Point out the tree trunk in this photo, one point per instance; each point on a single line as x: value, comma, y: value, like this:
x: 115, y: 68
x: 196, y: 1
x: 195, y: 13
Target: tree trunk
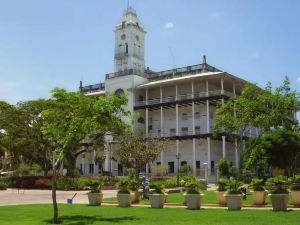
x: 71, y: 165
x: 55, y: 208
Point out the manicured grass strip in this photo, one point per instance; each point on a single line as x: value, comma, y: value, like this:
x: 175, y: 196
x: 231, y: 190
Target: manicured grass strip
x: 104, y: 215
x: 209, y: 198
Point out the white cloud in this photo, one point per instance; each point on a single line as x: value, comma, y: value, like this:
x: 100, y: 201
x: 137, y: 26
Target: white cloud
x: 298, y: 80
x: 169, y: 25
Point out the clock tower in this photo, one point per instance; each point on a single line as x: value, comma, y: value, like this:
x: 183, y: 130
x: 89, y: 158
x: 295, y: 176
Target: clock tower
x: 129, y: 44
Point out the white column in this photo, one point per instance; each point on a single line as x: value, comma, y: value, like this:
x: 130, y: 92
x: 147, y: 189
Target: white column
x: 94, y: 162
x: 176, y: 97
x: 222, y: 86
x: 147, y: 114
x: 177, y: 152
x: 161, y: 116
x: 234, y: 93
x: 208, y: 155
x: 194, y: 157
x: 193, y: 110
x: 207, y: 91
x: 207, y: 109
x: 223, y: 147
x: 236, y: 154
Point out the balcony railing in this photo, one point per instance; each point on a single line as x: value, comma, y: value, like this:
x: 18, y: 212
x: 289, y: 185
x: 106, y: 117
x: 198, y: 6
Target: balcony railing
x: 173, y: 134
x: 186, y: 96
x: 123, y: 73
x: 93, y: 88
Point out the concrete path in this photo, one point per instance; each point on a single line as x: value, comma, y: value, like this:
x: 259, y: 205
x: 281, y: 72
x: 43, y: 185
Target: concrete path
x: 15, y: 197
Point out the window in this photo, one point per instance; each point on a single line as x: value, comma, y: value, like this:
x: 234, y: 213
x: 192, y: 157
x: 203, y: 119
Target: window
x: 150, y: 128
x: 123, y: 36
x: 150, y: 120
x: 141, y: 98
x: 171, y: 167
x: 172, y: 132
x: 197, y: 130
x: 184, y: 131
x: 123, y: 24
x: 197, y: 115
x: 126, y: 45
x: 184, y: 116
x: 198, y: 165
x: 158, y: 163
x: 159, y: 131
x: 120, y: 169
x: 91, y: 168
x: 211, y: 115
x: 182, y: 163
x: 212, y: 166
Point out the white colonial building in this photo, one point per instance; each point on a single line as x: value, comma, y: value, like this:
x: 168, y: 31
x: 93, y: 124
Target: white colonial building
x: 178, y: 104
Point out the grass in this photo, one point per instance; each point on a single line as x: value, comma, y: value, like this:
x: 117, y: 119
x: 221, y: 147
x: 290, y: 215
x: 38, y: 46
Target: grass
x: 208, y: 198
x: 88, y: 215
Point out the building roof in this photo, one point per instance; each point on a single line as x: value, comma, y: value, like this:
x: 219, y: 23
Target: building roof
x: 186, y: 77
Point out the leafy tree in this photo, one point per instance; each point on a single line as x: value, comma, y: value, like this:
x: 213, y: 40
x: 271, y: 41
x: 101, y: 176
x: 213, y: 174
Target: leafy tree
x: 134, y: 152
x: 260, y: 108
x: 75, y: 119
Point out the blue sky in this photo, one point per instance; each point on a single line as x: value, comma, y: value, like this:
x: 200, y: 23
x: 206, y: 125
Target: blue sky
x: 57, y: 43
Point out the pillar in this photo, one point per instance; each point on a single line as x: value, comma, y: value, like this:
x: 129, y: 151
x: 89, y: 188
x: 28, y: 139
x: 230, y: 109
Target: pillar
x: 223, y: 147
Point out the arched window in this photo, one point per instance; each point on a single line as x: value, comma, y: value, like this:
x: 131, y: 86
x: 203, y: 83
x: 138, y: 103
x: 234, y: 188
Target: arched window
x: 119, y: 91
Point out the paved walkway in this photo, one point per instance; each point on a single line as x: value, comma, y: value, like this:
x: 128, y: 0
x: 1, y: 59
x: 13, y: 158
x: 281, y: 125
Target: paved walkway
x: 15, y: 197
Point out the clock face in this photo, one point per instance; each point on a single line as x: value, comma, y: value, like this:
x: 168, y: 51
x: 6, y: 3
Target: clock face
x: 123, y: 37
x: 137, y: 37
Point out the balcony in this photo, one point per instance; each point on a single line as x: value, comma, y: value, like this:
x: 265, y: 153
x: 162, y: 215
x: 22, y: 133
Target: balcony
x: 93, y: 88
x: 123, y: 73
x: 181, y: 134
x: 184, y: 97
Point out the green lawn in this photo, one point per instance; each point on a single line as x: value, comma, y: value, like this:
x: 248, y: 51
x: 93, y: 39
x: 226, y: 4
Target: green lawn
x: 208, y: 198
x: 89, y: 215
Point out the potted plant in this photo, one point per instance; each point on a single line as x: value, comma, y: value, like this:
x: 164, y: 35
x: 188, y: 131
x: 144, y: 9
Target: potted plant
x: 221, y: 190
x: 134, y: 187
x: 278, y: 192
x: 123, y: 196
x: 295, y: 189
x: 95, y: 196
x: 157, y: 196
x: 193, y: 196
x: 259, y: 193
x: 233, y: 196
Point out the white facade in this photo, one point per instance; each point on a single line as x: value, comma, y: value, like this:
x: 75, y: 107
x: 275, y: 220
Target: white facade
x: 177, y: 104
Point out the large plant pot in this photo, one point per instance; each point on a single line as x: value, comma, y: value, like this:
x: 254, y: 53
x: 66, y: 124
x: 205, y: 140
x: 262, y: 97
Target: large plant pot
x: 193, y: 201
x: 135, y: 196
x: 296, y: 197
x: 234, y: 202
x: 259, y: 197
x: 95, y: 198
x: 221, y: 198
x: 279, y: 201
x: 157, y: 200
x: 124, y: 200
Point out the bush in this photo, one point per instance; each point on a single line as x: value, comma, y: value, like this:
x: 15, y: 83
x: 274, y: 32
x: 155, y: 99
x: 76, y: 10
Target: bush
x: 278, y: 185
x: 166, y: 182
x: 257, y: 184
x: 123, y: 186
x: 94, y: 186
x: 156, y: 189
x: 159, y: 170
x: 186, y: 170
x: 29, y: 182
x: 223, y: 167
x: 234, y: 187
x: 3, y: 185
x: 223, y: 184
x: 295, y: 183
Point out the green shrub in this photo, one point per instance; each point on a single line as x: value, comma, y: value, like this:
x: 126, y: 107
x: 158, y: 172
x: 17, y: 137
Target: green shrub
x: 134, y: 185
x: 156, y: 189
x: 278, y: 185
x: 223, y: 167
x: 94, y: 186
x: 159, y: 170
x: 166, y: 182
x: 257, y: 184
x: 234, y: 187
x: 192, y: 186
x: 123, y: 186
x: 295, y: 182
x: 222, y: 184
x: 3, y: 185
x: 185, y: 170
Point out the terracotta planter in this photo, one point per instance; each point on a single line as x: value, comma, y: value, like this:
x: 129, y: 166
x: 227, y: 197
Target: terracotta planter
x: 234, y: 202
x: 193, y: 201
x: 135, y: 196
x: 279, y: 201
x: 296, y: 197
x: 259, y: 197
x: 221, y: 197
x: 157, y: 200
x: 124, y: 200
x: 95, y: 198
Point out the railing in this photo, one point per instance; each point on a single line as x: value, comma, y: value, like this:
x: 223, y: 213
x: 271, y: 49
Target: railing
x: 123, y: 73
x: 153, y: 134
x: 93, y: 88
x: 186, y: 96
